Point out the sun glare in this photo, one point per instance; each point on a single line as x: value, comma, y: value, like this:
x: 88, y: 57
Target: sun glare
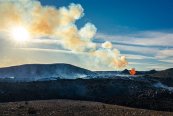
x: 20, y: 34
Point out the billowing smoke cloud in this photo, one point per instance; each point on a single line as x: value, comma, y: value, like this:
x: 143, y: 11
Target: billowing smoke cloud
x: 110, y: 57
x: 87, y: 32
x: 107, y: 44
x: 55, y: 22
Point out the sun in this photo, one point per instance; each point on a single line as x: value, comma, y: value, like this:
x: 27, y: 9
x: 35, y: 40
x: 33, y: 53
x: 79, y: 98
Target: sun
x: 20, y: 34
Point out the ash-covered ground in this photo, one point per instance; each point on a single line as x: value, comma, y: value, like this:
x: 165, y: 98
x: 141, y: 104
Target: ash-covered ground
x: 72, y: 108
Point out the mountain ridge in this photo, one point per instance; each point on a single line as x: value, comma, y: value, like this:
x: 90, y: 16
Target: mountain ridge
x: 33, y: 72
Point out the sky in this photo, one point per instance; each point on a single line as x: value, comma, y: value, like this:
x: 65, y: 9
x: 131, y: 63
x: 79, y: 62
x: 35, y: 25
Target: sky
x: 93, y: 34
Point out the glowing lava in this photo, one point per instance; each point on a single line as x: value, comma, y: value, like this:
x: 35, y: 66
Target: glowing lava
x: 132, y: 71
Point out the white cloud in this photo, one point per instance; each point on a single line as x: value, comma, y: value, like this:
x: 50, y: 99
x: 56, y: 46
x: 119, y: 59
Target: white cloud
x: 148, y: 38
x: 165, y: 54
x: 44, y: 30
x: 137, y: 49
x: 87, y: 32
x: 167, y: 61
x: 139, y: 57
x: 107, y: 44
x: 159, y: 67
x: 66, y: 35
x: 150, y: 50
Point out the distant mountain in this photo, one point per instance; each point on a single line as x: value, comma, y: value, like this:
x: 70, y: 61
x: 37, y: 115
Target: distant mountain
x: 168, y: 73
x: 152, y: 71
x: 45, y: 72
x: 34, y: 72
x: 125, y: 71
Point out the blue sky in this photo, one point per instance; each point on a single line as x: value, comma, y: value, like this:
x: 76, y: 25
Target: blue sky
x: 114, y: 16
x: 142, y: 30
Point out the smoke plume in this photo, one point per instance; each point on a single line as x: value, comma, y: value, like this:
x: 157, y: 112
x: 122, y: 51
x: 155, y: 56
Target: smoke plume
x: 55, y: 22
x: 107, y: 44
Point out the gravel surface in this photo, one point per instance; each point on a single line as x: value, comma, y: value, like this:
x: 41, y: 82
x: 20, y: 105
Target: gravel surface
x: 72, y: 108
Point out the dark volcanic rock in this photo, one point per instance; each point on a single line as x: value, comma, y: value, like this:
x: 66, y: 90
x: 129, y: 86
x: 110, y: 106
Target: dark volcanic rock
x: 164, y: 74
x: 125, y: 71
x: 134, y: 93
x: 152, y: 72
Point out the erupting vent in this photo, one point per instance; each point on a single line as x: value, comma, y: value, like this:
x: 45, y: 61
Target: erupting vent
x: 132, y: 71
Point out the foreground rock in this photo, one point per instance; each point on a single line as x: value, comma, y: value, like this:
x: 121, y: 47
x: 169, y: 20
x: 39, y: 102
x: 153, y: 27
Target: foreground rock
x: 131, y: 92
x: 72, y: 108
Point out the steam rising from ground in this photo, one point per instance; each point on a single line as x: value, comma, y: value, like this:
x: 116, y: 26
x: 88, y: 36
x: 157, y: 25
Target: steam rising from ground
x: 59, y: 23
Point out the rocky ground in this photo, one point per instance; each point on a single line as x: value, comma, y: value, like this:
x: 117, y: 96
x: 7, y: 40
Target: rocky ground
x: 72, y: 108
x: 130, y: 92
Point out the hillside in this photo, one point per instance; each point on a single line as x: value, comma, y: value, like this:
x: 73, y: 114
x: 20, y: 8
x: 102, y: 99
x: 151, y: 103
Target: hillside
x: 168, y: 73
x: 33, y: 72
x: 72, y: 108
x: 45, y: 72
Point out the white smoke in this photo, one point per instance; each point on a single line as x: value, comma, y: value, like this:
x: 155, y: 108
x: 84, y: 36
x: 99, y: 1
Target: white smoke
x: 60, y: 23
x: 87, y: 32
x: 160, y: 85
x: 107, y: 44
